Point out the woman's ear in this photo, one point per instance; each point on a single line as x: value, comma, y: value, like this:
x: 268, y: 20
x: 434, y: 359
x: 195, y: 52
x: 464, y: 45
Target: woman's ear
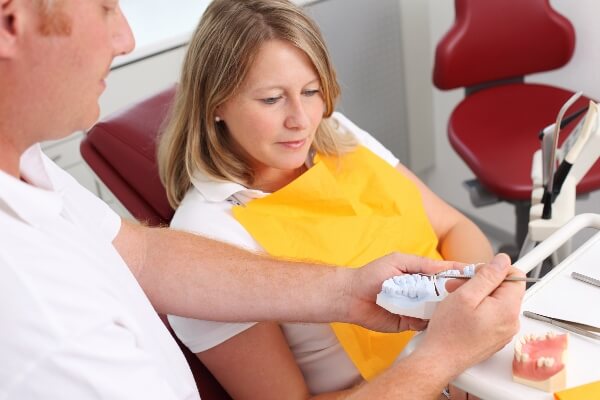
x: 8, y: 28
x: 219, y: 113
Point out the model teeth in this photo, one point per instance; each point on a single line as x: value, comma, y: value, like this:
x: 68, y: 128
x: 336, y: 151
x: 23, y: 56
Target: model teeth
x: 545, y: 362
x: 523, y: 340
x: 469, y: 270
x: 416, y: 286
x: 524, y: 357
x: 411, y: 286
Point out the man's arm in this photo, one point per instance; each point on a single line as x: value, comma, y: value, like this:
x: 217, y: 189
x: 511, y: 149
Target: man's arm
x: 470, y: 325
x: 192, y: 276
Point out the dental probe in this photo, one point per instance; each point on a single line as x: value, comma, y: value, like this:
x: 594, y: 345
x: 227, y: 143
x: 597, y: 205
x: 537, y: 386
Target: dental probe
x: 508, y: 278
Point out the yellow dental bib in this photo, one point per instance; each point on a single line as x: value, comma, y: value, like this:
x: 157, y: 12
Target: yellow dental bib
x: 346, y: 211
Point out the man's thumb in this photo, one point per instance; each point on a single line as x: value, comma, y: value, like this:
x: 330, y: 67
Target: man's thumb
x: 487, y: 278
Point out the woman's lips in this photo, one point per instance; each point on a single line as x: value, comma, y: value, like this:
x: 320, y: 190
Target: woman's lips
x: 294, y: 144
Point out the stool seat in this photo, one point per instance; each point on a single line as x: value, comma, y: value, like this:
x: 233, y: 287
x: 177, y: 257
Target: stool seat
x: 495, y: 131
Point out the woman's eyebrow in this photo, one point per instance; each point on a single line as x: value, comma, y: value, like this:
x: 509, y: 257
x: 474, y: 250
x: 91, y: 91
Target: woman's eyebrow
x: 277, y: 86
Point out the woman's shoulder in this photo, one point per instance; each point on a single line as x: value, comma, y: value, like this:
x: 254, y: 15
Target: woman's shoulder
x: 212, y: 219
x: 364, y: 138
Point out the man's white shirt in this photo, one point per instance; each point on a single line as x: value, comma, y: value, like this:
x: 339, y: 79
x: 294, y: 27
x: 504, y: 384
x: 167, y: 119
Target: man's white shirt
x: 75, y: 322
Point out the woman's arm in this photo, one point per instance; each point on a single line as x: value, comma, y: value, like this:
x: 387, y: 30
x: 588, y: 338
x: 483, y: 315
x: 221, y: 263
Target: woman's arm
x: 258, y: 364
x: 459, y: 238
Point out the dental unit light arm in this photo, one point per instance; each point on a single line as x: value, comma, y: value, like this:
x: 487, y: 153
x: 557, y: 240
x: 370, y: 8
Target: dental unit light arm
x: 573, y: 149
x: 580, y: 151
x: 548, y: 140
x: 547, y: 198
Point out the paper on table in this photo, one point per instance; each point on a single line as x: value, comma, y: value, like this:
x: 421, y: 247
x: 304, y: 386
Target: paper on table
x: 568, y: 298
x: 588, y: 391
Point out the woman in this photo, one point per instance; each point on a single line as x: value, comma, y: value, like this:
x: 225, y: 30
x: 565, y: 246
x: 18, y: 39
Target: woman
x: 255, y: 155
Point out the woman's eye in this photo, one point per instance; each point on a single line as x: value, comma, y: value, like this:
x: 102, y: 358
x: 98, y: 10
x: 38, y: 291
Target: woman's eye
x: 311, y: 92
x: 271, y: 100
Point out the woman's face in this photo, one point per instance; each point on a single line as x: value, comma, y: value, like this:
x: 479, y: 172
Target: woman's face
x: 275, y: 114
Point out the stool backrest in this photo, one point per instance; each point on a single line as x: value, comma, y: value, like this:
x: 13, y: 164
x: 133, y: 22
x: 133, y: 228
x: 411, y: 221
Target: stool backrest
x: 496, y: 40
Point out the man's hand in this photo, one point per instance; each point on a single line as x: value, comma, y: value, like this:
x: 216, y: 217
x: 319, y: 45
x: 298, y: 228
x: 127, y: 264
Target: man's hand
x: 477, y: 319
x: 366, y: 284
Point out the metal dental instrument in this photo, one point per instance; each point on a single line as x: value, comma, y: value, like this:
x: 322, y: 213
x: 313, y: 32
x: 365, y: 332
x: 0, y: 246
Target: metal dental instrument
x: 547, y: 198
x: 575, y: 327
x: 507, y: 279
x: 585, y: 278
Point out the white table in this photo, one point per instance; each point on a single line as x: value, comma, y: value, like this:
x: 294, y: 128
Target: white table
x: 557, y: 295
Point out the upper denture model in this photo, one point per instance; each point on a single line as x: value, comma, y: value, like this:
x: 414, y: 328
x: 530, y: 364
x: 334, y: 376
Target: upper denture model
x: 416, y: 295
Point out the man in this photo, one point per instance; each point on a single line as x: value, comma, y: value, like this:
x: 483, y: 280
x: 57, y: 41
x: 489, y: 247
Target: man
x: 79, y: 287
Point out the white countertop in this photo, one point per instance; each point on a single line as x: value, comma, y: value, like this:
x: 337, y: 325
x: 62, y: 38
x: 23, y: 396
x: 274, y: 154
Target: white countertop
x: 160, y: 25
x: 560, y: 296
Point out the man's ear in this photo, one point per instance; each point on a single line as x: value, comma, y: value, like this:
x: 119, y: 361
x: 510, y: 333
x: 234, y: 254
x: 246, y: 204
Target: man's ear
x: 8, y: 28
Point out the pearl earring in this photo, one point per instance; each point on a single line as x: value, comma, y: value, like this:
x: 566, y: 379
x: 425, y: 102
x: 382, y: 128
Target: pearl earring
x: 217, y: 119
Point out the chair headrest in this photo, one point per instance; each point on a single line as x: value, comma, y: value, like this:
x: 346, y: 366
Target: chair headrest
x: 121, y: 149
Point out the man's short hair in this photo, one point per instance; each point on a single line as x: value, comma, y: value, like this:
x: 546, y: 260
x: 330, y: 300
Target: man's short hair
x: 53, y: 18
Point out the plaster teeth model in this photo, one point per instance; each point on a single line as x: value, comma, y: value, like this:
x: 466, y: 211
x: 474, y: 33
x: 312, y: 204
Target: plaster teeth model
x: 539, y: 361
x: 415, y: 295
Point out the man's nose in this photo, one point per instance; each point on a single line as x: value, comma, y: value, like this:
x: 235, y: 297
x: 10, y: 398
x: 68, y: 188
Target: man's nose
x: 123, y: 40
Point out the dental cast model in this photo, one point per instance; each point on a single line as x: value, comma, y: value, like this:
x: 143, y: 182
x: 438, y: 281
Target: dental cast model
x: 416, y: 295
x: 539, y: 361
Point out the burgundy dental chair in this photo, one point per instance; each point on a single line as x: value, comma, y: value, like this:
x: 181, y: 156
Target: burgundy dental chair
x: 122, y: 152
x: 491, y: 47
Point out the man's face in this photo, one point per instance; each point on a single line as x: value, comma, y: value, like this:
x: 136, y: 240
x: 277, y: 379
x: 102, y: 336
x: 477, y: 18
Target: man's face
x: 67, y: 56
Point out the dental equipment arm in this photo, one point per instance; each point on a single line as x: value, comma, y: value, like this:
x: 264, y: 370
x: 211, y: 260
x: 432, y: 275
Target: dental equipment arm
x: 584, y: 134
x: 547, y: 198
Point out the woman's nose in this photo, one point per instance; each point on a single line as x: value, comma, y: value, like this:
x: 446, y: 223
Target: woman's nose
x: 297, y: 117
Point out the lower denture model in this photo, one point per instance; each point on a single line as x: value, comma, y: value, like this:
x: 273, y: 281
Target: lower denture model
x: 416, y: 295
x: 539, y: 361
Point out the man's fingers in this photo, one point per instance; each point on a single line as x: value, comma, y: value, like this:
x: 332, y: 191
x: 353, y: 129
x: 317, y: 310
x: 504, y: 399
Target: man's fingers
x: 511, y: 291
x: 486, y: 280
x: 410, y: 264
x: 453, y: 284
x: 412, y: 324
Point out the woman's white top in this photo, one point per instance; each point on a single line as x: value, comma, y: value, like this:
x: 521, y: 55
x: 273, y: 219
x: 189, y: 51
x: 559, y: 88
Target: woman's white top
x: 206, y: 210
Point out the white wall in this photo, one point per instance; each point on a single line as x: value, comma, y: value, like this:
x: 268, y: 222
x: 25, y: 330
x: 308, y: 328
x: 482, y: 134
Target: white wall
x: 580, y: 74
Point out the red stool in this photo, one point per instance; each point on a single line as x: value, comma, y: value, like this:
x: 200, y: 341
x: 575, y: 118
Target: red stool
x: 492, y: 45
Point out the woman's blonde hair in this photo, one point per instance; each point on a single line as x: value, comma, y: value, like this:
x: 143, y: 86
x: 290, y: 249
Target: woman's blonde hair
x: 219, y: 57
